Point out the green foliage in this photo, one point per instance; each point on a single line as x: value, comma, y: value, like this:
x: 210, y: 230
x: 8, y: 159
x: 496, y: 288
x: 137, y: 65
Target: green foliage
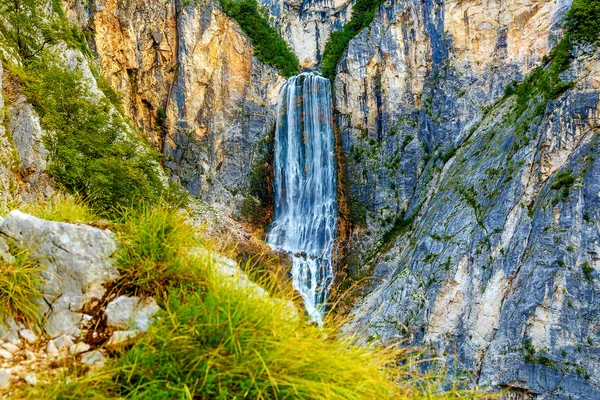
x: 544, y: 82
x: 20, y: 284
x: 269, y: 47
x: 29, y: 29
x: 564, y: 181
x: 402, y: 224
x: 25, y: 27
x: 530, y: 355
x: 449, y: 154
x: 153, y: 255
x: 582, y: 24
x: 259, y: 201
x: 363, y: 13
x: 91, y: 151
x: 587, y: 270
x: 582, y: 21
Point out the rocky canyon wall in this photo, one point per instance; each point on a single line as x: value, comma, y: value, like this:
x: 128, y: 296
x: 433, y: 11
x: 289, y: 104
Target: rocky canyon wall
x: 481, y: 252
x: 189, y: 81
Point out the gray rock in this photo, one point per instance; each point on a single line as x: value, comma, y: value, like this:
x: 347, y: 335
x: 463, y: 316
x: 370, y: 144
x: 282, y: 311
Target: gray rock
x: 95, y: 359
x: 77, y: 262
x: 79, y: 348
x: 5, y: 379
x: 5, y: 255
x: 63, y: 322
x: 5, y: 354
x: 131, y: 313
x: 31, y: 379
x: 62, y: 344
x: 28, y: 336
x: 51, y: 350
x: 27, y: 136
x: 119, y: 338
x: 11, y: 347
x: 9, y: 330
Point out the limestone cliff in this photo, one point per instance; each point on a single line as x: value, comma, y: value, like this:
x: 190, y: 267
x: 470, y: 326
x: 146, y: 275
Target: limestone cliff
x: 479, y: 253
x: 306, y: 24
x: 189, y: 80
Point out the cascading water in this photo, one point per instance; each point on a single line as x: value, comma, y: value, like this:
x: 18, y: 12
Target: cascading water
x: 305, y: 187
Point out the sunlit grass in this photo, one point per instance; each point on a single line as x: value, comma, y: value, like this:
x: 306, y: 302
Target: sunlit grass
x: 20, y: 288
x: 155, y: 242
x: 61, y: 208
x: 220, y: 337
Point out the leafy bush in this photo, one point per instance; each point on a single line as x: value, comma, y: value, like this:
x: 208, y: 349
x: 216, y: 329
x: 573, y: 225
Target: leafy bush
x: 91, y: 151
x: 20, y: 284
x: 582, y: 21
x: 587, y: 270
x: 29, y: 29
x: 363, y: 13
x: 269, y: 47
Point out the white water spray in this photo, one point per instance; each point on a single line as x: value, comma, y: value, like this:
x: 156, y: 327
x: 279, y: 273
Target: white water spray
x: 305, y: 187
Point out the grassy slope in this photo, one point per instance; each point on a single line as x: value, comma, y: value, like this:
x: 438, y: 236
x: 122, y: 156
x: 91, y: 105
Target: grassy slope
x: 216, y: 339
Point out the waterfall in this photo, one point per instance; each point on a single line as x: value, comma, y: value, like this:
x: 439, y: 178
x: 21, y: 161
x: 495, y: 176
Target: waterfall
x: 305, y: 188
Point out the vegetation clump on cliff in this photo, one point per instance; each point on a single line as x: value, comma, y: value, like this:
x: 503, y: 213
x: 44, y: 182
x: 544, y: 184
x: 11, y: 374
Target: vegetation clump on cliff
x: 93, y: 151
x: 582, y: 25
x: 269, y: 47
x: 363, y: 13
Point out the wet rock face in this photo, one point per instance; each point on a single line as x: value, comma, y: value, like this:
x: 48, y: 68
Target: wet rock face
x: 306, y: 24
x: 498, y: 270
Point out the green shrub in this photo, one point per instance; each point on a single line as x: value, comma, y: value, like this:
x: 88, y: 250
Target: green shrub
x: 582, y: 21
x: 363, y: 13
x: 564, y: 181
x: 269, y: 47
x: 91, y: 151
x: 20, y: 288
x: 29, y: 29
x: 587, y: 270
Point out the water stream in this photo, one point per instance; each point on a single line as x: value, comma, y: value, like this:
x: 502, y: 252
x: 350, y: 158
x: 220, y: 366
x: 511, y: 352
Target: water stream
x: 305, y: 188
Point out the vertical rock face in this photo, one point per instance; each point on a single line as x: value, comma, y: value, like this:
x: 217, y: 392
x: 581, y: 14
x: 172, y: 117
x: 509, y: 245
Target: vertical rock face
x: 480, y: 221
x: 418, y: 78
x: 307, y: 24
x: 191, y: 69
x: 223, y: 106
x: 136, y: 44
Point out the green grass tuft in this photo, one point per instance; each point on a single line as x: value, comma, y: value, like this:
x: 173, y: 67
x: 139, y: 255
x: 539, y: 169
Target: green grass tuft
x: 61, y: 208
x: 20, y: 288
x: 155, y: 242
